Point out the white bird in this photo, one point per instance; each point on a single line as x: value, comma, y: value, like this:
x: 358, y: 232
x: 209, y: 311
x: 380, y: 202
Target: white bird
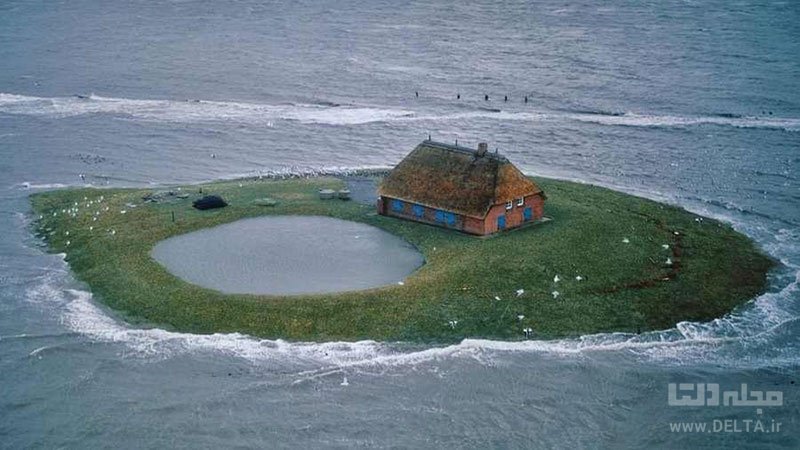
x: 625, y: 241
x: 556, y: 279
x: 556, y: 294
x: 400, y: 283
x: 578, y: 278
x: 669, y: 261
x: 520, y: 317
x: 113, y: 232
x: 94, y: 219
x: 527, y: 332
x: 665, y: 246
x: 344, y: 381
x: 675, y: 233
x: 68, y: 242
x: 91, y: 228
x: 520, y: 292
x: 66, y: 233
x: 497, y: 298
x: 453, y: 323
x: 123, y: 211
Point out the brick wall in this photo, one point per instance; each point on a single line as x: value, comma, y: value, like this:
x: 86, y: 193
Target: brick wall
x: 514, y: 216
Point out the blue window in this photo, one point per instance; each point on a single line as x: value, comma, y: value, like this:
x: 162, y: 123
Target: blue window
x: 439, y: 216
x: 527, y: 214
x: 397, y: 205
x: 419, y: 210
x: 450, y: 218
x: 501, y: 222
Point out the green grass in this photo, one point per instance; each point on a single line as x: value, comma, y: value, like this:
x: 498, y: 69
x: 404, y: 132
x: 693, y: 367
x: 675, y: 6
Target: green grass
x: 625, y: 287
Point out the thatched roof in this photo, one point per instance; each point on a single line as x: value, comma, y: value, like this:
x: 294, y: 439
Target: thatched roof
x: 456, y: 179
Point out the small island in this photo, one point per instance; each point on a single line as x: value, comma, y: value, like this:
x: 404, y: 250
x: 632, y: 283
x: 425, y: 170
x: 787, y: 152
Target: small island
x: 603, y: 261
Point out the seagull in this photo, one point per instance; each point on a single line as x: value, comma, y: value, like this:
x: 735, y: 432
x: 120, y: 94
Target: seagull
x: 497, y: 298
x: 66, y: 233
x: 556, y: 294
x: 556, y: 279
x: 527, y: 332
x: 520, y: 292
x: 400, y: 283
x: 665, y: 246
x: 578, y: 278
x: 625, y: 241
x: 344, y: 381
x: 675, y: 233
x: 669, y: 261
x: 123, y: 211
x: 520, y: 317
x: 68, y: 242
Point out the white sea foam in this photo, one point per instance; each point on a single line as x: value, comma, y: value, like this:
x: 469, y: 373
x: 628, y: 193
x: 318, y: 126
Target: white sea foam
x: 193, y: 111
x: 689, y: 342
x: 754, y: 325
x: 28, y: 185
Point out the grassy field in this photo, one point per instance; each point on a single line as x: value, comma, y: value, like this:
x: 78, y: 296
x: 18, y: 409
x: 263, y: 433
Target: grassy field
x: 467, y: 288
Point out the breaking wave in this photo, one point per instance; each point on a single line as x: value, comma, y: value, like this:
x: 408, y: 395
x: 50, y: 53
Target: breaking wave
x: 754, y: 326
x: 190, y: 111
x: 327, y: 113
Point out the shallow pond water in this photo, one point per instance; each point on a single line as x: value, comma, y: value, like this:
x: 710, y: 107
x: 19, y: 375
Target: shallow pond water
x: 289, y: 255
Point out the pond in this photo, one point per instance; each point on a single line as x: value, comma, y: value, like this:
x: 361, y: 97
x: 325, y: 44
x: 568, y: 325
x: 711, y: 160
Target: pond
x: 289, y: 255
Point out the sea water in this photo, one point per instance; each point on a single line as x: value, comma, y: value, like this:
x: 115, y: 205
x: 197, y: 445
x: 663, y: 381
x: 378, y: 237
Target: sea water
x: 693, y: 103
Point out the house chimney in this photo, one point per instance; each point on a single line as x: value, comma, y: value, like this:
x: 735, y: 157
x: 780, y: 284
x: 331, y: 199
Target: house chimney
x: 482, y: 148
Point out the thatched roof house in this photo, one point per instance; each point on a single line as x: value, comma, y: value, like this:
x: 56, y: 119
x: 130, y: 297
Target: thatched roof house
x: 470, y: 190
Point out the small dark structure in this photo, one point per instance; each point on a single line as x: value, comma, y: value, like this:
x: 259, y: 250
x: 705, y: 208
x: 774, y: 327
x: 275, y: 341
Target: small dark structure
x: 473, y: 191
x: 209, y: 202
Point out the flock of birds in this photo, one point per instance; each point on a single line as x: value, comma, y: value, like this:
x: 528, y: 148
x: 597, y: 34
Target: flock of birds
x: 101, y: 208
x: 528, y: 331
x: 74, y: 210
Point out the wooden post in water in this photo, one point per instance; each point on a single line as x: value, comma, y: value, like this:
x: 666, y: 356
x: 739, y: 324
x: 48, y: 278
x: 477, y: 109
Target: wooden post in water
x: 173, y: 216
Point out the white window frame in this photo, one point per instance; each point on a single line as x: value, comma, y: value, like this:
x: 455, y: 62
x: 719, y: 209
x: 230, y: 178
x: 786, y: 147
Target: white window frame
x: 520, y: 201
x: 509, y: 204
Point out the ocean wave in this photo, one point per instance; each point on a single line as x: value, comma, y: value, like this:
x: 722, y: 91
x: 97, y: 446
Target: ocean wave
x: 690, y: 342
x: 28, y: 185
x: 326, y: 113
x: 191, y: 111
